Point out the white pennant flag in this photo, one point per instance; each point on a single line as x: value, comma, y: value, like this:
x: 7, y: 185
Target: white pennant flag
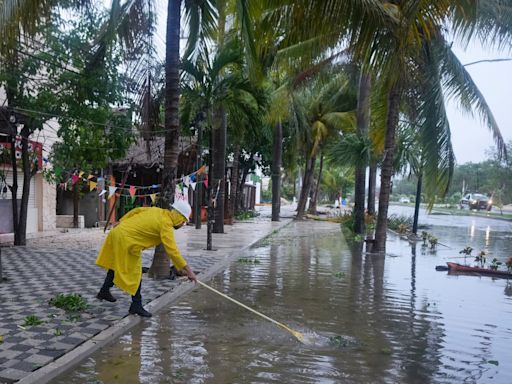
x: 186, y: 180
x: 103, y: 192
x: 193, y: 185
x: 111, y: 191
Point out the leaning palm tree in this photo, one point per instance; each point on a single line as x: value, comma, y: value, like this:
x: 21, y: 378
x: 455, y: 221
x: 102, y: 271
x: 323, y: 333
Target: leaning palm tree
x: 321, y: 111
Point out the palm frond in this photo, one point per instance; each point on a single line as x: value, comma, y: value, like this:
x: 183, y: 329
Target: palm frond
x: 460, y: 85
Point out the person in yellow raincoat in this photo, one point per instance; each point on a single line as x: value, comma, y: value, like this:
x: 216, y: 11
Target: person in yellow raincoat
x: 121, y: 253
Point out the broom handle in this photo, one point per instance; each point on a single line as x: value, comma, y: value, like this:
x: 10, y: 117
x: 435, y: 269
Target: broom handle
x: 248, y: 308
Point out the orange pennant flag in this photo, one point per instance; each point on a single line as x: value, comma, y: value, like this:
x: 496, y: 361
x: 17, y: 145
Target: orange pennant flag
x: 201, y: 170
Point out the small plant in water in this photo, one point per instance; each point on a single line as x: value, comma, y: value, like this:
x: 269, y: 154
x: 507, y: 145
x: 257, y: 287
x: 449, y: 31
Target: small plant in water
x: 403, y: 228
x: 495, y: 264
x: 481, y: 258
x: 424, y: 236
x: 433, y: 242
x: 32, y: 320
x: 339, y: 274
x: 467, y: 252
x: 248, y: 261
x: 508, y: 263
x: 73, y: 302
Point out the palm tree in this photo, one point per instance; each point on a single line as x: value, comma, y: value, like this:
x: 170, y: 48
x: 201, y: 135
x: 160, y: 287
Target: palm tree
x: 320, y: 111
x: 217, y: 83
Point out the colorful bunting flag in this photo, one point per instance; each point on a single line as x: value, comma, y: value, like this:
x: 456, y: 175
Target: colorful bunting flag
x: 153, y: 197
x: 74, y: 179
x: 102, y: 193
x: 111, y: 191
x: 92, y: 185
x: 81, y: 174
x: 201, y: 170
x: 193, y: 185
x: 91, y: 176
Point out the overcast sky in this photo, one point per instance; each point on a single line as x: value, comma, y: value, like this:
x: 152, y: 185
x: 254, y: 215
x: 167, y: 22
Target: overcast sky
x: 470, y: 137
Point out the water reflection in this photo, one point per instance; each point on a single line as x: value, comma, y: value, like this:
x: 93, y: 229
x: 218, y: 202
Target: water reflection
x: 393, y: 319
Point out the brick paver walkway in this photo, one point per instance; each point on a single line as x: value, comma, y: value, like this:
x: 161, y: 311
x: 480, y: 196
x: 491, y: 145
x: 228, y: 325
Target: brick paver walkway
x: 46, y: 267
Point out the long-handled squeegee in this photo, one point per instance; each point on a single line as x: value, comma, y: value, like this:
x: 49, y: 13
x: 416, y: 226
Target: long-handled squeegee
x: 298, y: 335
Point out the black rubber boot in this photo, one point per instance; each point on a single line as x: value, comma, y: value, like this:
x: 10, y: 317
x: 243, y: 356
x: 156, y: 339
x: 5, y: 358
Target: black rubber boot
x: 106, y: 295
x: 137, y: 309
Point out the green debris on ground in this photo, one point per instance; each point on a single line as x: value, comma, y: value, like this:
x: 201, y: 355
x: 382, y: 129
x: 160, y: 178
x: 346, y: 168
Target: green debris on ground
x: 32, y: 320
x: 248, y: 260
x: 73, y: 302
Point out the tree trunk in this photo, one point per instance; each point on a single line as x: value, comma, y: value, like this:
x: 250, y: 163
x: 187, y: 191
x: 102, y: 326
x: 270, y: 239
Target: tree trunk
x: 160, y: 267
x: 372, y: 182
x: 362, y: 122
x: 314, y: 199
x: 417, y: 204
x: 14, y: 186
x: 234, y: 181
x: 387, y: 168
x: 76, y: 199
x: 199, y: 186
x: 239, y: 203
x: 306, y: 186
x: 219, y: 167
x: 276, y: 171
x: 20, y: 236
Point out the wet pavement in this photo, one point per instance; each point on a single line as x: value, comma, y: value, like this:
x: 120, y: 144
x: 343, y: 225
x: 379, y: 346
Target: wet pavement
x: 65, y: 264
x: 374, y: 319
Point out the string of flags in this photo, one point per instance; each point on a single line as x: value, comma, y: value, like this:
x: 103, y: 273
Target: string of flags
x: 106, y: 185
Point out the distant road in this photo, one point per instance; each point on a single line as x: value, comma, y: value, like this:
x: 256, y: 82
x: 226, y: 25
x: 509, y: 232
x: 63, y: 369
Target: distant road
x: 446, y: 219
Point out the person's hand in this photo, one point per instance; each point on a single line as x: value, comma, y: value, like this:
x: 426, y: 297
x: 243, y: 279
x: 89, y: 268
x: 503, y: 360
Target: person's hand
x: 190, y: 274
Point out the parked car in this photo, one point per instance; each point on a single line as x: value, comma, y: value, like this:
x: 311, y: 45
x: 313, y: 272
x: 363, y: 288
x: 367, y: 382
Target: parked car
x: 475, y: 201
x: 404, y: 200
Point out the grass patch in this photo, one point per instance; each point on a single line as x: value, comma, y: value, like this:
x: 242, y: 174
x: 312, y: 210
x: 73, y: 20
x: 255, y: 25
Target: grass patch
x: 246, y: 215
x: 72, y: 302
x: 32, y: 320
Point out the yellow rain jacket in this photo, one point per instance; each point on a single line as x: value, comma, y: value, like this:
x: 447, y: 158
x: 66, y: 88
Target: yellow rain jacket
x: 139, y: 229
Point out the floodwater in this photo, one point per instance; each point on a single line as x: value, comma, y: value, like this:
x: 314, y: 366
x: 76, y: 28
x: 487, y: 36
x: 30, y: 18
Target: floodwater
x: 373, y: 319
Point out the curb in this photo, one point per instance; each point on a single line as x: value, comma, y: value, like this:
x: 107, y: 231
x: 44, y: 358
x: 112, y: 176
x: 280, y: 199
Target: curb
x: 74, y: 357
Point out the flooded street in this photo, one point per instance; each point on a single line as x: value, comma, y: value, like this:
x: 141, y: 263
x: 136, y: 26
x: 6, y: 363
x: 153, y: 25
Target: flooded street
x: 374, y: 319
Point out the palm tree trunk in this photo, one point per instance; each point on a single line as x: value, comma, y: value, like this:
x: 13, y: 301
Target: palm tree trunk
x: 160, y: 267
x: 394, y: 98
x: 234, y: 181
x: 20, y: 236
x: 14, y: 186
x: 239, y: 198
x: 417, y: 204
x: 314, y: 199
x: 219, y: 167
x: 362, y: 122
x: 372, y: 182
x: 76, y: 198
x: 276, y: 171
x: 306, y: 186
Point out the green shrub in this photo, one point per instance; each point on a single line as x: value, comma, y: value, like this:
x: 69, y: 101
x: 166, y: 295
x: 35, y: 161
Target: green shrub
x: 395, y: 221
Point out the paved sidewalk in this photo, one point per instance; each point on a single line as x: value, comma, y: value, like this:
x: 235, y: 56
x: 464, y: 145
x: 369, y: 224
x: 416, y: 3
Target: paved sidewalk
x: 65, y: 264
